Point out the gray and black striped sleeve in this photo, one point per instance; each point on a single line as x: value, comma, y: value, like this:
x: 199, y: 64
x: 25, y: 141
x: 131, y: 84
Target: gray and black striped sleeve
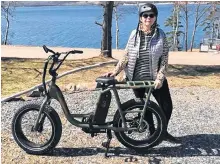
x: 164, y: 61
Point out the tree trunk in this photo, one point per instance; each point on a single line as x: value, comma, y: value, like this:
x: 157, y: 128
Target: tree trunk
x: 176, y: 29
x: 186, y: 28
x: 194, y: 28
x: 174, y: 17
x: 213, y: 31
x: 218, y: 29
x: 7, y: 26
x: 117, y: 28
x: 192, y: 41
x: 107, y: 25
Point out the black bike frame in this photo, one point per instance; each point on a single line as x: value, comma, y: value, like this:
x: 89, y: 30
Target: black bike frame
x: 54, y: 92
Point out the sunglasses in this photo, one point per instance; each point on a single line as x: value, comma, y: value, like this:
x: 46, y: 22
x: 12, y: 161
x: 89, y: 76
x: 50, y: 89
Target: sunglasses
x: 148, y: 15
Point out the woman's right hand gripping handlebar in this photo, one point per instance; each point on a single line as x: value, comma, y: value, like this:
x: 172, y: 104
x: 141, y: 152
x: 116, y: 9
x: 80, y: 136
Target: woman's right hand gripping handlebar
x: 109, y: 74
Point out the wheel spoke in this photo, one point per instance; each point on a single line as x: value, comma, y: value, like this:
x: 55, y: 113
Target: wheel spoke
x: 47, y: 134
x: 146, y: 135
x: 132, y: 120
x: 34, y: 137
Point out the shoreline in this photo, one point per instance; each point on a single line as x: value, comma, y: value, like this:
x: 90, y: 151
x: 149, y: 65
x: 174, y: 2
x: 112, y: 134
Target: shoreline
x: 180, y: 57
x: 92, y: 3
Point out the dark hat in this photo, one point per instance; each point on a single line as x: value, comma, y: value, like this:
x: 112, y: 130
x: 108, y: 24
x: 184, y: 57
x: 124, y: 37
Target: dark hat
x: 148, y: 7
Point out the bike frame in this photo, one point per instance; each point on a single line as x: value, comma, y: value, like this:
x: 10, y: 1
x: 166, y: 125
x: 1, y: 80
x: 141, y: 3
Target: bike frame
x: 54, y: 92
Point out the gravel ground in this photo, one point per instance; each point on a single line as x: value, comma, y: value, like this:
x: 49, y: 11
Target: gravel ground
x: 195, y: 120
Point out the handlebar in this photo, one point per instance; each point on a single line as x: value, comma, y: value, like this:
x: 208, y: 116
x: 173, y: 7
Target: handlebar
x: 55, y: 58
x: 68, y: 52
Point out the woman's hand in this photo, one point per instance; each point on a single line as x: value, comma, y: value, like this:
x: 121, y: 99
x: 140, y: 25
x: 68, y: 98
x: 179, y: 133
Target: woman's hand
x: 158, y: 84
x: 109, y: 74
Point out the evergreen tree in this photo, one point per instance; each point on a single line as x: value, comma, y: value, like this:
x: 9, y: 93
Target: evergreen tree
x: 174, y: 22
x: 200, y: 13
x: 212, y: 21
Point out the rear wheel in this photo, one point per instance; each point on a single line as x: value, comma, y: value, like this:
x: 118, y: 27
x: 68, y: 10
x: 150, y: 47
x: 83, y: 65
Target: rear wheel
x: 144, y: 138
x: 47, y: 135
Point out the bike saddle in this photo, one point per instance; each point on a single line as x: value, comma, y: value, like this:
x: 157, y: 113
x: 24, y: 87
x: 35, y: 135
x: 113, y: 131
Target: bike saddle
x: 106, y: 80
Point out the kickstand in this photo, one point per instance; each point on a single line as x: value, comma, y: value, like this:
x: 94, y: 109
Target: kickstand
x: 107, y: 144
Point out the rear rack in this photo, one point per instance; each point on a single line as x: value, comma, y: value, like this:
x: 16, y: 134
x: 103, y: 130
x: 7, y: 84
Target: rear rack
x: 135, y: 84
x: 140, y: 83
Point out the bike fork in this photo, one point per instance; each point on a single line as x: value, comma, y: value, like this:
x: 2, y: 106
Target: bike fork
x: 40, y: 118
x: 144, y: 109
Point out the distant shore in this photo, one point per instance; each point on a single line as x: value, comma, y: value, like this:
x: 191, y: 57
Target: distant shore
x: 69, y: 3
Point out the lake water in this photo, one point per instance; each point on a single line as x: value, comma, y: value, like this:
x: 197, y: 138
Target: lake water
x: 74, y: 26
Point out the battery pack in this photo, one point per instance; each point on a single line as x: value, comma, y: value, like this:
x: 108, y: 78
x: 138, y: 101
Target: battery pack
x: 102, y: 107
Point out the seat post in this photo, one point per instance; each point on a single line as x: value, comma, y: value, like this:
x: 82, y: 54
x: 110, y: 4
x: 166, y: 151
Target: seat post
x: 119, y: 105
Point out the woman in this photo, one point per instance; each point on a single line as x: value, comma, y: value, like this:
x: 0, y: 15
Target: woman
x: 146, y: 58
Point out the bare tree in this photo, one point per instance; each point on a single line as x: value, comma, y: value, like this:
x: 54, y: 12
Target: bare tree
x: 118, y: 14
x: 176, y: 25
x: 117, y: 27
x: 185, y: 18
x: 199, y: 14
x: 106, y: 43
x: 7, y: 8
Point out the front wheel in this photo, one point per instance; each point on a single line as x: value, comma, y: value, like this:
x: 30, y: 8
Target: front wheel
x: 47, y: 135
x: 151, y: 133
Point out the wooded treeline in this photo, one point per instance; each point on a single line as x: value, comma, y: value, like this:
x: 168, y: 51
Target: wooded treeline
x: 206, y: 16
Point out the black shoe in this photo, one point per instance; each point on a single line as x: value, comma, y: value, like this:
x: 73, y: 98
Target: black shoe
x: 172, y: 139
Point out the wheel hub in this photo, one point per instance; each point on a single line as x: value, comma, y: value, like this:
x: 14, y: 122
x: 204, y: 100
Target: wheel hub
x: 143, y: 127
x: 140, y: 128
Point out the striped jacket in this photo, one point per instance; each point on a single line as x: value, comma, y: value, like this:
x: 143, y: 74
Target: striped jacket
x: 159, y: 52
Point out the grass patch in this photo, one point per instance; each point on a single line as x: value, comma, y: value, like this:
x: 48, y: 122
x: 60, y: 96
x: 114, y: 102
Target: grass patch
x: 187, y: 75
x: 21, y: 74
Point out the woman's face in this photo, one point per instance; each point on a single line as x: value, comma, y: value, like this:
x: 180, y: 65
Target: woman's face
x: 148, y: 19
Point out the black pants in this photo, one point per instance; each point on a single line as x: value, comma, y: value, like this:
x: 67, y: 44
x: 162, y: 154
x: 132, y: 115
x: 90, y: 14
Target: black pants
x: 163, y: 98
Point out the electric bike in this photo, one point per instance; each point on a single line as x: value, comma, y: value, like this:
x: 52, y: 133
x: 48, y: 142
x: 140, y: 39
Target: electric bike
x: 37, y: 128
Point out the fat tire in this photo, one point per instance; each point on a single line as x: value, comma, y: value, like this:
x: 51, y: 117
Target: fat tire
x: 157, y: 140
x: 51, y: 114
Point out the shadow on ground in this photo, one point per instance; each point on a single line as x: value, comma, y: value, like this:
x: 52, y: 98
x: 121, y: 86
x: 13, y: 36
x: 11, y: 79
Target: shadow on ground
x: 193, y: 145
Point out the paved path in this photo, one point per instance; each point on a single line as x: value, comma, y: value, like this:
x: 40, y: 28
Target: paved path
x: 187, y: 58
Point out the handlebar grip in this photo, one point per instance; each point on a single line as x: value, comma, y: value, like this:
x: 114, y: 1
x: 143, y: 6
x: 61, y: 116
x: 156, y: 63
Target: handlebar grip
x: 45, y: 48
x: 77, y: 51
x: 48, y: 50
